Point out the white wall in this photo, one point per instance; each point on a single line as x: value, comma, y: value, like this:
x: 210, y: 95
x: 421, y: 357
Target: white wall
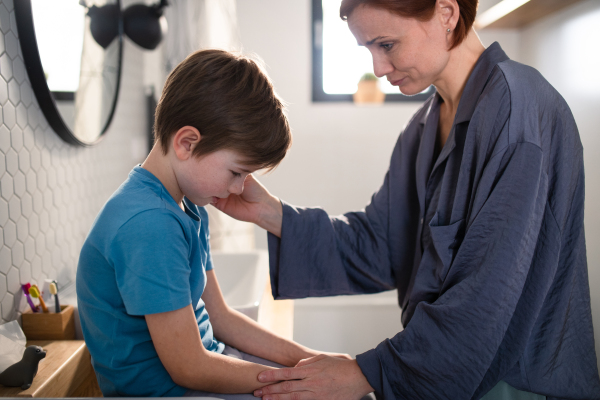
x: 50, y: 191
x: 341, y: 152
x: 565, y: 49
x: 338, y: 159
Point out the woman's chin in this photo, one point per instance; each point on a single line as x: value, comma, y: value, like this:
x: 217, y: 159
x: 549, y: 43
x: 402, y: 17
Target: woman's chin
x: 411, y: 90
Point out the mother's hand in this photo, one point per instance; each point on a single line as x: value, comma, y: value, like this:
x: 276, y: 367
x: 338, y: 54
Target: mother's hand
x: 320, y: 377
x: 255, y: 204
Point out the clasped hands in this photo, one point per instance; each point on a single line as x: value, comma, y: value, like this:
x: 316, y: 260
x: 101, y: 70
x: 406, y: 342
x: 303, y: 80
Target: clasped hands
x: 320, y: 377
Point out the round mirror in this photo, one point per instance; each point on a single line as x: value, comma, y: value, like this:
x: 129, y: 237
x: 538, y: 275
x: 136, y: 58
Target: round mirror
x: 72, y: 51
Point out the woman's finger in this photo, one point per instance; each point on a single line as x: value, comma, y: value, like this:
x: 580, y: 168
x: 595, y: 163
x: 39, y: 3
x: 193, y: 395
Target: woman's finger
x: 282, y: 374
x: 310, y: 360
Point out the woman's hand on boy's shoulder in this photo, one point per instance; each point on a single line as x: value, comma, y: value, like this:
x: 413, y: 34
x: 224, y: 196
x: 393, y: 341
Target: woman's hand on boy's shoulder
x: 255, y: 205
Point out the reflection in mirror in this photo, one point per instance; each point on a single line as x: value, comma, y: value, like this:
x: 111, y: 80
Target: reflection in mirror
x: 60, y: 50
x: 81, y: 76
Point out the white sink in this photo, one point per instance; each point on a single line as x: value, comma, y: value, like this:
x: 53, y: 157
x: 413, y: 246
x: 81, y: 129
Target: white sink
x: 242, y: 277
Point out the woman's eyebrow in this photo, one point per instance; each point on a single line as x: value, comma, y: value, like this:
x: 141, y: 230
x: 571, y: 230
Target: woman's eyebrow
x: 370, y: 42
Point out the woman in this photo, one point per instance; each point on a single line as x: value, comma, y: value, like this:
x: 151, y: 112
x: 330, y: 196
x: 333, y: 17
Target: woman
x: 478, y: 224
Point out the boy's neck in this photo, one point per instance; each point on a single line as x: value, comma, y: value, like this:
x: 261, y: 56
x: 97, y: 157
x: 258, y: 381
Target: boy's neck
x: 160, y: 166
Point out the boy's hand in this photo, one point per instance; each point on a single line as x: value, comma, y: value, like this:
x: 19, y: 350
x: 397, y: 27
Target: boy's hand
x: 255, y: 205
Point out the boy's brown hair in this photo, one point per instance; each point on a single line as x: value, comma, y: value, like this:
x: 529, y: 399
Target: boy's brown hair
x: 231, y: 101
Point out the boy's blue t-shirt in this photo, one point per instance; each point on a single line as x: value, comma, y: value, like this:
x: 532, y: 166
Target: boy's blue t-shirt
x: 143, y: 255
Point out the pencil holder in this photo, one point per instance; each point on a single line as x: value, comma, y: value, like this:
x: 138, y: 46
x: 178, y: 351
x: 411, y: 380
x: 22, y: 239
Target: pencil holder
x: 55, y: 326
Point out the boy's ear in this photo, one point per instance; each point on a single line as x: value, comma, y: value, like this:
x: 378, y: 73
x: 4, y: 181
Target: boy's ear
x: 185, y: 141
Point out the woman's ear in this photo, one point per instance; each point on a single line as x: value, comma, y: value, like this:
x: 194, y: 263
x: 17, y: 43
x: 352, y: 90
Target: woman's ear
x: 185, y: 141
x: 448, y: 11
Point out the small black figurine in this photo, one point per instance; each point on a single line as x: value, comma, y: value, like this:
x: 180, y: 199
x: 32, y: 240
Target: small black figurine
x: 22, y: 373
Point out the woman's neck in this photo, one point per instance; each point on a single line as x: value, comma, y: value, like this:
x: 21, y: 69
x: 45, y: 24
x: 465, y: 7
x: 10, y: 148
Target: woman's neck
x: 451, y: 82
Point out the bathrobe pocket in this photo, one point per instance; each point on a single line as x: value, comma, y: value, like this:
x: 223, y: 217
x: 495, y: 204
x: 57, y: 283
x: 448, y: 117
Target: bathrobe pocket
x: 446, y: 240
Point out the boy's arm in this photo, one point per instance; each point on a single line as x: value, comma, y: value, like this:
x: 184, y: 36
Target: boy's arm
x: 176, y: 337
x: 243, y: 333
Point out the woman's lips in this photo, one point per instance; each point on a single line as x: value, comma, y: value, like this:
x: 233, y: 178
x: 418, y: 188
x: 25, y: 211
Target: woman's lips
x: 397, y: 82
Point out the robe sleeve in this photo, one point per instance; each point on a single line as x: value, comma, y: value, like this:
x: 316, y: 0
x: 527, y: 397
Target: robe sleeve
x: 449, y: 345
x: 327, y: 256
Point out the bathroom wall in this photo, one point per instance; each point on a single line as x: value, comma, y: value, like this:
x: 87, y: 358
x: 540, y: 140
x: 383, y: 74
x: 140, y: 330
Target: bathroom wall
x: 564, y: 48
x: 341, y: 152
x: 50, y: 191
x: 338, y: 159
x: 193, y: 25
x: 339, y: 156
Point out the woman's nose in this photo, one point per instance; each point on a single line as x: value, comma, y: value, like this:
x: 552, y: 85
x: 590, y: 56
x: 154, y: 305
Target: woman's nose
x: 381, y: 66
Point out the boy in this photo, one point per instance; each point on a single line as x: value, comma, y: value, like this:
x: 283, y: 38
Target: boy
x: 145, y: 283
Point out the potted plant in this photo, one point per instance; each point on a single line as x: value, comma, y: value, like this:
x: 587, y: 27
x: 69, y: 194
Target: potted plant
x: 368, y: 91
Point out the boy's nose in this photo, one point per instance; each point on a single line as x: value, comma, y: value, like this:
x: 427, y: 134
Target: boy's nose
x: 237, y: 188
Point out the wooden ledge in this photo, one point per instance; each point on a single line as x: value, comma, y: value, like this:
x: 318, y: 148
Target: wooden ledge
x: 65, y: 372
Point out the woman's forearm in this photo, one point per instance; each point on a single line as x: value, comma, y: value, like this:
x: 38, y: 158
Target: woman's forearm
x: 243, y: 333
x: 271, y: 216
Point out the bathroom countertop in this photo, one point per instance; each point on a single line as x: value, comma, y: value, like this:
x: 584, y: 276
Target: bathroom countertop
x: 65, y: 372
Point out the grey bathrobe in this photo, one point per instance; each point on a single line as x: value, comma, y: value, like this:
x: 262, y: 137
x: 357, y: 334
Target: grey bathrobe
x: 484, y: 242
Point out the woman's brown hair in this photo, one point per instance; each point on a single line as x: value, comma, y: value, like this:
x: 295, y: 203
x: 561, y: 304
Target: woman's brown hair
x: 419, y: 9
x: 231, y: 101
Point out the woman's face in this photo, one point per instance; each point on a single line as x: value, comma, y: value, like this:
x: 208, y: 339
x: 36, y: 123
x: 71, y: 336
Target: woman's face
x: 411, y: 54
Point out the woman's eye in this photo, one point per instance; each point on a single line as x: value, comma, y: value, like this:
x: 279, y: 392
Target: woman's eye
x: 386, y: 46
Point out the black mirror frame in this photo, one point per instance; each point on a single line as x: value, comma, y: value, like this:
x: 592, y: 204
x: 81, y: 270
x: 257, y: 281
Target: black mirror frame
x: 35, y: 71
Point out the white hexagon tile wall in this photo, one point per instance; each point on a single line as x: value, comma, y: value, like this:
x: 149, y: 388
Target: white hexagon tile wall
x: 51, y: 191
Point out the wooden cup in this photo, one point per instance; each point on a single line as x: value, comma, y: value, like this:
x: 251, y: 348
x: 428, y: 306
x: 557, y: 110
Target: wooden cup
x: 49, y: 326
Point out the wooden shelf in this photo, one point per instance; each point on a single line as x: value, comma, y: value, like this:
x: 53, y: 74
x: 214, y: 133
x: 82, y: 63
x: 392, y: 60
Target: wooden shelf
x: 528, y: 13
x: 65, y: 372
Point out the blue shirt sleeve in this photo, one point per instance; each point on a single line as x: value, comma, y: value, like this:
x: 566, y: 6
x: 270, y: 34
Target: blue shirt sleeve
x: 151, y: 259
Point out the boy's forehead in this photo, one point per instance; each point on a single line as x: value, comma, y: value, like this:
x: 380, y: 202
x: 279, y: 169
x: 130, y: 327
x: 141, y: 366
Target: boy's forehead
x: 244, y: 164
x: 235, y: 159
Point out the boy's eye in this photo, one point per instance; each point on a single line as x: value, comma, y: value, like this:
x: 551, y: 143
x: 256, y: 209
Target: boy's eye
x: 236, y: 174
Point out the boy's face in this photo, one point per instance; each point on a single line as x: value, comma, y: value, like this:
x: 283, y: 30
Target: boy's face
x: 215, y: 175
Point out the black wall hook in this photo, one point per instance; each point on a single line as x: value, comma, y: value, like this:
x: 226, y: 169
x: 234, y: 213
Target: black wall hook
x: 104, y: 23
x: 145, y: 25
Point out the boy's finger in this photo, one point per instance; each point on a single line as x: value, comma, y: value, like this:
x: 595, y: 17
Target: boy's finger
x: 290, y: 396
